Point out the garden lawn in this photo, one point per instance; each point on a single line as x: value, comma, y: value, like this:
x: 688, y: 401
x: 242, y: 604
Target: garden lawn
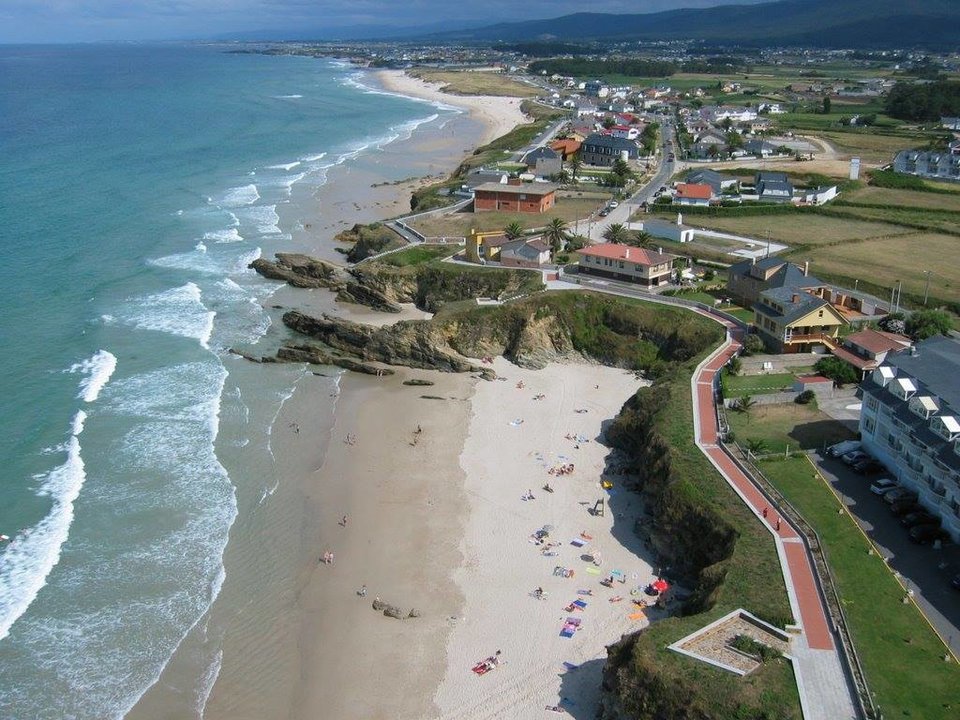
x: 737, y: 385
x: 901, y: 655
x: 787, y: 427
x: 909, y: 198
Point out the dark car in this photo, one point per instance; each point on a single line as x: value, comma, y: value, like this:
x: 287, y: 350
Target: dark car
x: 917, y: 517
x: 868, y: 467
x: 899, y: 494
x: 604, y: 212
x: 905, y: 506
x: 923, y: 534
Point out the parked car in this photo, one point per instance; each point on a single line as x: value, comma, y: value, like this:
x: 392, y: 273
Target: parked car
x: 612, y: 204
x: 868, y: 467
x: 842, y: 448
x: 917, y: 517
x: 923, y: 534
x: 899, y: 493
x: 856, y: 456
x: 904, y: 507
x: 604, y: 212
x: 883, y: 486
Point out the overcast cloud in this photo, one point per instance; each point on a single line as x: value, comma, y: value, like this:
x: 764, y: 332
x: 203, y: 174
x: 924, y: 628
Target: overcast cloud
x: 94, y: 20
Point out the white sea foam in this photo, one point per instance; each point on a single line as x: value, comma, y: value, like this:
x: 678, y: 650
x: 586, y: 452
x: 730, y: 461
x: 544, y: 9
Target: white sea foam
x: 314, y: 158
x: 32, y: 554
x: 288, y: 97
x: 263, y: 217
x: 239, y: 196
x: 356, y: 80
x: 97, y: 371
x: 178, y: 311
x: 230, y: 235
x: 200, y: 247
x: 287, y: 166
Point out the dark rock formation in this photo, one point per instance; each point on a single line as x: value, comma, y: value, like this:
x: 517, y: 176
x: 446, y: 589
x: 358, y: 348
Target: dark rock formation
x: 301, y: 271
x: 418, y: 382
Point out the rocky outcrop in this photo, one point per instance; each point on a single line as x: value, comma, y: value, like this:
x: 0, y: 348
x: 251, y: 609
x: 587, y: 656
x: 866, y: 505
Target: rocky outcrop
x: 301, y: 271
x: 409, y: 343
x: 318, y: 356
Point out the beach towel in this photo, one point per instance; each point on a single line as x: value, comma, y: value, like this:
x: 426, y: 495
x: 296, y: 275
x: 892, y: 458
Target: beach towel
x: 566, y: 632
x: 593, y: 570
x: 579, y: 603
x: 636, y: 616
x: 570, y: 666
x: 573, y: 621
x: 577, y: 542
x: 584, y: 592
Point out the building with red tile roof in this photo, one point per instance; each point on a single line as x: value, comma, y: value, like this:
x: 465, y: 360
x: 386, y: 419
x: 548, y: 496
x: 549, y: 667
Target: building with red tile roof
x: 622, y: 262
x: 693, y: 194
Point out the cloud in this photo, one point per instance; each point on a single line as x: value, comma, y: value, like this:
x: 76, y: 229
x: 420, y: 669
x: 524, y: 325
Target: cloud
x: 82, y: 20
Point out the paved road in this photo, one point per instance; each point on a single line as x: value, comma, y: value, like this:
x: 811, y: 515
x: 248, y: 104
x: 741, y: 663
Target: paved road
x: 918, y: 564
x: 645, y: 193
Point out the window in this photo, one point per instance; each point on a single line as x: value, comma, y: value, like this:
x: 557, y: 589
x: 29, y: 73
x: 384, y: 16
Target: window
x: 869, y: 425
x: 872, y: 403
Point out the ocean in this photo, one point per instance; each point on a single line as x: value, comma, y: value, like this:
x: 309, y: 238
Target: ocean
x: 136, y: 185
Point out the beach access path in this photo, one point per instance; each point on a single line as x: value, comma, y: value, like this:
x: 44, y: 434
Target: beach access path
x: 825, y: 690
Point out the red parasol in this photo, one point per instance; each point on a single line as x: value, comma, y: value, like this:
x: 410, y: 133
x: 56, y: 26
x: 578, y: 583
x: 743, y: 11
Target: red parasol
x: 660, y: 585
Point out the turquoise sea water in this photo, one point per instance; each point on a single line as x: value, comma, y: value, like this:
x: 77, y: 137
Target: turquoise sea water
x: 136, y: 184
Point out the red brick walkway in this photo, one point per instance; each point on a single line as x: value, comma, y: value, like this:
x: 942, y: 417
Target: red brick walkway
x: 798, y: 573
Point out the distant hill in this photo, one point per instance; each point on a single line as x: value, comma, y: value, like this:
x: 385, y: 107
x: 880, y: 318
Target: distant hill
x: 815, y: 23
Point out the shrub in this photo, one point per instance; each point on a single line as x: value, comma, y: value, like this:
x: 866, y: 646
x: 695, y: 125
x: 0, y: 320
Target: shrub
x: 752, y: 344
x: 754, y: 648
x: 837, y: 370
x: 927, y: 323
x: 805, y: 398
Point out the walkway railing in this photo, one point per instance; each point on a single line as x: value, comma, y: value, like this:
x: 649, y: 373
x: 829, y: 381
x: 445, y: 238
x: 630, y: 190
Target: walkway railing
x: 828, y: 586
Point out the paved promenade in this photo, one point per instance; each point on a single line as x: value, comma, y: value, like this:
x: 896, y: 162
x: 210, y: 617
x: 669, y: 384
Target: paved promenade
x: 825, y: 691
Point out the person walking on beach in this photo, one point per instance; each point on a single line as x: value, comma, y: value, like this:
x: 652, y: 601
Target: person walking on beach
x: 343, y: 522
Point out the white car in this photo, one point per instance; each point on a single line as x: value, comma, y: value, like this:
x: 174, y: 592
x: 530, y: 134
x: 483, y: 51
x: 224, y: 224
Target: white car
x: 613, y: 204
x: 883, y: 486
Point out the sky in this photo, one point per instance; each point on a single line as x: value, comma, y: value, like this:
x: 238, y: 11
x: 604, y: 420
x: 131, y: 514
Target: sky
x: 59, y: 21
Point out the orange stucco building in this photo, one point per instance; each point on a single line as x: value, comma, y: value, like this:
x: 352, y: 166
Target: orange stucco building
x: 527, y: 198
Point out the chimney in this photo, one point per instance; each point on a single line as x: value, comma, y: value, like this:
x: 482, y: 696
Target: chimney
x: 660, y: 250
x: 626, y: 253
x: 796, y: 298
x: 806, y: 268
x: 753, y: 260
x: 513, y: 181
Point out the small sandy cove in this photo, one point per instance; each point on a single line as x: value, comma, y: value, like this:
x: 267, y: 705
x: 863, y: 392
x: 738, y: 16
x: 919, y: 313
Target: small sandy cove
x: 499, y: 115
x: 437, y: 520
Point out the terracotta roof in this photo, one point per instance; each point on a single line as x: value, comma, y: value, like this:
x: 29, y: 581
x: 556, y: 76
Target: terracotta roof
x: 875, y: 341
x: 568, y: 146
x: 813, y: 379
x: 495, y: 241
x: 614, y: 251
x: 694, y: 191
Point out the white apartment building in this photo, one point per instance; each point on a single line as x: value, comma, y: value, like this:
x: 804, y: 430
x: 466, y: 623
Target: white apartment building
x: 910, y: 421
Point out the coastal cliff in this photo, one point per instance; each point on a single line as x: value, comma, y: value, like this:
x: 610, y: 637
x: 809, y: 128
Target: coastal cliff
x: 530, y: 333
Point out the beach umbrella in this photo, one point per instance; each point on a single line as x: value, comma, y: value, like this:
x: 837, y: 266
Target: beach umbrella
x: 660, y: 585
x: 548, y: 528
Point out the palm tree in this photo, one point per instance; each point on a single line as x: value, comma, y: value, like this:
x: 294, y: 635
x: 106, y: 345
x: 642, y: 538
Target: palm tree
x: 575, y: 165
x: 616, y: 233
x: 556, y: 234
x: 745, y: 405
x: 642, y: 239
x: 513, y: 231
x: 756, y: 446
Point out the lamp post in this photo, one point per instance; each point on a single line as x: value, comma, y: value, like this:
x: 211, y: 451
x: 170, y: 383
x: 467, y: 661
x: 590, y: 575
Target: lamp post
x: 926, y: 290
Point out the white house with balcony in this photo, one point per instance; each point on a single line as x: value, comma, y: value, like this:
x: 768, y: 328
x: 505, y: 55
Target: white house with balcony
x: 910, y: 422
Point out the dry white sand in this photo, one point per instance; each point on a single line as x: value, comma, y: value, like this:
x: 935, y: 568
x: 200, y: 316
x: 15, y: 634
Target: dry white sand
x: 503, y: 459
x: 499, y: 115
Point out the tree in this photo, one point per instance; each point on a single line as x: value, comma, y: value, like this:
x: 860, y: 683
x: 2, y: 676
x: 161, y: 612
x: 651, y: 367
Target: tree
x: 735, y: 365
x: 561, y: 178
x: 826, y: 104
x: 927, y: 323
x: 642, y: 239
x: 752, y: 344
x: 616, y: 233
x: 577, y: 242
x: 575, y: 165
x: 608, y: 122
x: 556, y: 234
x: 756, y: 446
x: 837, y: 370
x: 745, y: 405
x: 513, y: 231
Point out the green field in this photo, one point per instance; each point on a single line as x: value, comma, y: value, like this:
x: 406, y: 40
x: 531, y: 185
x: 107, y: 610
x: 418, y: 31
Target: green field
x: 476, y: 83
x: 909, y: 198
x: 805, y: 229
x: 901, y: 655
x: 737, y: 385
x: 420, y: 254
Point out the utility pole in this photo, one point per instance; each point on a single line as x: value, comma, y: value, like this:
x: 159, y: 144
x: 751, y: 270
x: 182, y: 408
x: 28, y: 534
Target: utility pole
x: 926, y: 290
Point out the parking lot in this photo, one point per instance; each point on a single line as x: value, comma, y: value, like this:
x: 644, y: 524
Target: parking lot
x: 925, y: 570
